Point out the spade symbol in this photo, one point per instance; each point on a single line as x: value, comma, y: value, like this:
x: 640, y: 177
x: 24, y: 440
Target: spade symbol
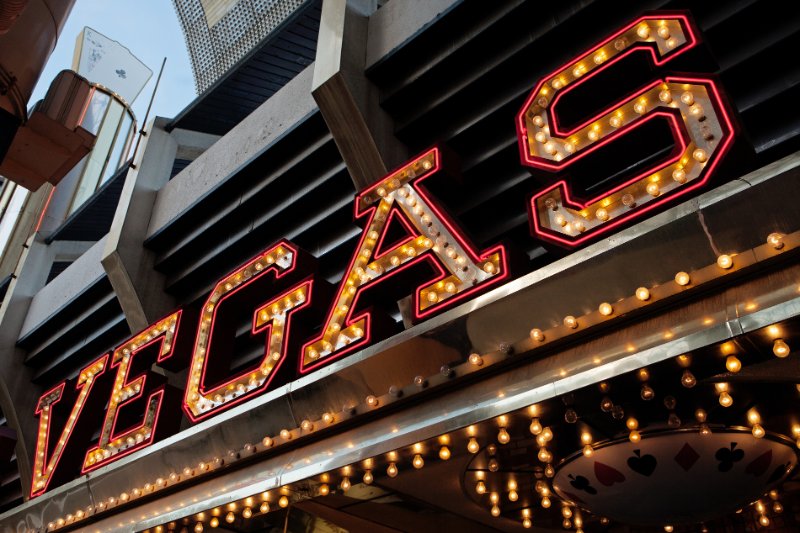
x: 582, y: 483
x: 642, y: 464
x: 727, y: 457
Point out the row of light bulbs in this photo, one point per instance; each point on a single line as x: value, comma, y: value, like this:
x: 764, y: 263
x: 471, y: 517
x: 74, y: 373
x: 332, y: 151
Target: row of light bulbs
x: 724, y: 262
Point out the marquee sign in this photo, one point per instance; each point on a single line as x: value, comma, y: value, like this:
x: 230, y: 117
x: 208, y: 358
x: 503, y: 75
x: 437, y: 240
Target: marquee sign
x: 404, y: 229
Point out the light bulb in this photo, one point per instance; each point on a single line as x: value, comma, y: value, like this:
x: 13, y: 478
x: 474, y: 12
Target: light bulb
x: 418, y: 462
x: 647, y: 393
x: 775, y: 240
x: 571, y: 322
x: 643, y: 294
x: 503, y: 437
x: 570, y: 416
x: 345, y: 484
x: 535, y: 427
x: 544, y: 455
x: 652, y: 189
x: 679, y: 175
x: 763, y: 520
x: 391, y: 470
x: 682, y: 279
x: 526, y: 523
x: 547, y: 434
x: 476, y: 359
x: 549, y: 471
x: 230, y: 517
x: 566, y: 523
x: 372, y: 401
x: 635, y: 436
x: 605, y: 309
x: 780, y: 348
x: 247, y: 512
x: 198, y: 527
x: 444, y: 453
x: 724, y: 261
x: 368, y: 479
x: 324, y: 489
x: 725, y: 399
x: 665, y: 96
x: 283, y: 502
x: 699, y: 155
x: 513, y: 496
x: 495, y: 511
x: 700, y: 415
x: 733, y: 364
x: 546, y: 502
x: 777, y: 507
x: 758, y: 431
x: 586, y: 437
x: 643, y: 31
x: 537, y: 335
x: 264, y: 507
x: 588, y: 451
x: 669, y: 529
x: 473, y: 446
x: 601, y: 214
x: 688, y: 380
x: 480, y: 487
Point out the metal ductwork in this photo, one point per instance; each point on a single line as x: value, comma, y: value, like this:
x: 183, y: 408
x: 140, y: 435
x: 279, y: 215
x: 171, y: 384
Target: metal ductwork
x: 32, y: 26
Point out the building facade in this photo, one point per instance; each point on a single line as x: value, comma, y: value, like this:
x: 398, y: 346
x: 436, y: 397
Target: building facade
x: 434, y: 265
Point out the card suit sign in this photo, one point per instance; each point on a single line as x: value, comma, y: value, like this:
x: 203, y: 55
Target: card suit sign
x: 607, y: 475
x: 642, y: 464
x: 760, y: 464
x: 727, y: 457
x: 582, y: 483
x: 779, y: 472
x: 687, y: 457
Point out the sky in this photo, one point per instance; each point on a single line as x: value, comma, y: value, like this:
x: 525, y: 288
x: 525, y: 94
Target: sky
x: 150, y: 30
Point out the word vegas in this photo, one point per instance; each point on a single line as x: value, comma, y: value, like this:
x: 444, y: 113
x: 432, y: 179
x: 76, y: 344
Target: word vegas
x: 129, y: 385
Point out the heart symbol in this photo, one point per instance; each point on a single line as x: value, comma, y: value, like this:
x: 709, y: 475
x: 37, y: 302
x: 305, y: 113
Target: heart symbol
x: 727, y: 457
x: 642, y: 464
x: 607, y: 475
x: 778, y: 473
x: 760, y: 464
x: 582, y: 483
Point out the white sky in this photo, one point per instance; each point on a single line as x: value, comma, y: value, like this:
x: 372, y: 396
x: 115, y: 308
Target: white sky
x: 150, y: 30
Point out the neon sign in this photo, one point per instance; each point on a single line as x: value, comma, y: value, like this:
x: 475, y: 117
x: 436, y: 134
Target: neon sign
x: 272, y: 293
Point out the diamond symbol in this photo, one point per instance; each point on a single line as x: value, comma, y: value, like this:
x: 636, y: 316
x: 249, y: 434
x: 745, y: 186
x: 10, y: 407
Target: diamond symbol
x: 687, y: 457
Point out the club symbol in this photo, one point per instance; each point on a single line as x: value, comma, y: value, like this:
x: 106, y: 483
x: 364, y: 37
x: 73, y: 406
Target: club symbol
x: 728, y: 456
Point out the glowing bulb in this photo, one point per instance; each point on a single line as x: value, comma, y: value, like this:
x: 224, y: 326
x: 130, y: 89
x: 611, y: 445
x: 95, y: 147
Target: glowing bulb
x: 679, y: 175
x: 688, y: 380
x: 665, y: 96
x: 775, y: 240
x: 444, y: 453
x: 758, y: 431
x: 473, y: 446
x: 632, y: 423
x: 475, y: 359
x: 546, y: 502
x: 480, y: 487
x: 763, y: 520
x: 669, y: 529
x: 588, y: 451
x: 643, y: 31
x: 372, y: 401
x: 635, y: 436
x: 324, y: 489
x: 391, y: 470
x: 495, y: 511
x: 368, y: 478
x: 549, y: 471
x: 725, y: 399
x: 733, y: 364
x: 544, y: 455
x: 725, y: 261
x: 605, y: 309
x: 198, y: 527
x: 418, y: 462
x: 571, y: 322
x: 601, y: 214
x: 230, y: 517
x: 682, y: 279
x: 535, y: 427
x: 537, y: 335
x: 513, y: 496
x: 777, y: 507
x: 283, y: 502
x: 780, y: 348
x: 643, y: 294
x: 264, y: 507
x: 652, y: 189
x: 526, y: 523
